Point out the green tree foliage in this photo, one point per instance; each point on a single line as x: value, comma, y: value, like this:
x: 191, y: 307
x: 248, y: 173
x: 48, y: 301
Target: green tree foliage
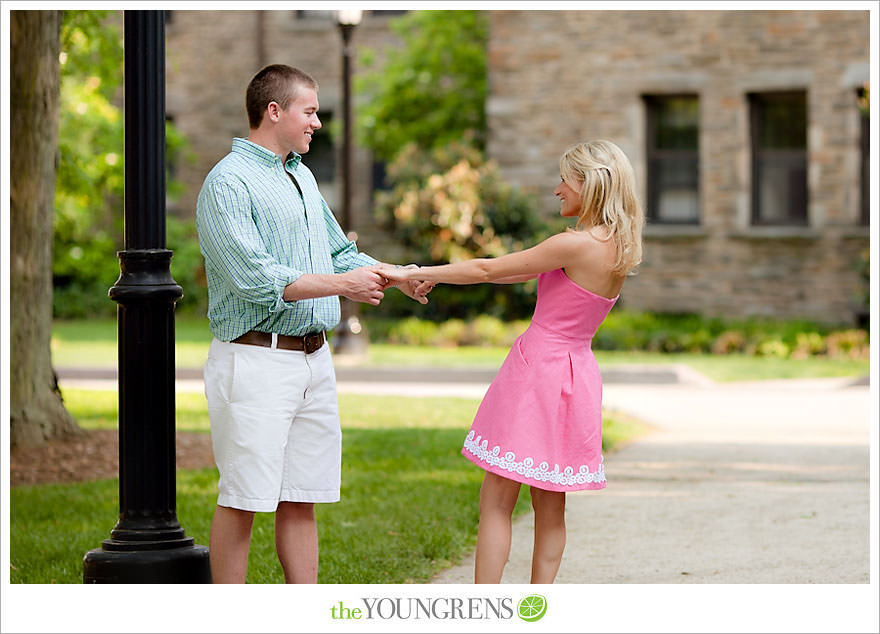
x: 432, y: 90
x: 422, y: 111
x: 89, y: 184
x: 89, y: 194
x: 451, y: 204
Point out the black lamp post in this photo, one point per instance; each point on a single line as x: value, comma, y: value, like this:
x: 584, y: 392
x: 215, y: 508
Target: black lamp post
x: 147, y: 545
x: 350, y: 338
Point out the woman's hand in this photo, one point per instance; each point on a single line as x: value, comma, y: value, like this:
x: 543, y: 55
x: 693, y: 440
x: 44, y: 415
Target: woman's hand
x: 406, y: 279
x: 398, y: 273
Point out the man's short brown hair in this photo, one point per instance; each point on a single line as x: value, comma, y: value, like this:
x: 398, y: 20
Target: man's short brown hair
x: 278, y: 83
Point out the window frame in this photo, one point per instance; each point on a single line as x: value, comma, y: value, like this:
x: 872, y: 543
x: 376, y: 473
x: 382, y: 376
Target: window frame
x: 653, y: 154
x: 760, y: 156
x: 864, y: 161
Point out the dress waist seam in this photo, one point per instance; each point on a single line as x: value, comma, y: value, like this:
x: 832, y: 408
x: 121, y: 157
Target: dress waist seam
x: 585, y: 340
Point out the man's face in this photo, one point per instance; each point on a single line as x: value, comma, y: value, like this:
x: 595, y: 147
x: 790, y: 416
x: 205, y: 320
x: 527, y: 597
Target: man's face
x: 297, y: 124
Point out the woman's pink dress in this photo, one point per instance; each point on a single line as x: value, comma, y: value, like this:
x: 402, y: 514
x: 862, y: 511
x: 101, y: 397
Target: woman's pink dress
x: 540, y: 422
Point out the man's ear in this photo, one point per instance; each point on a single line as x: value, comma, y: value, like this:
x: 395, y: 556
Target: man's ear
x: 273, y: 111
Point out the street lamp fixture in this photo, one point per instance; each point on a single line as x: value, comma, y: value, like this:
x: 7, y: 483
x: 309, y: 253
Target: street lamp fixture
x: 350, y: 338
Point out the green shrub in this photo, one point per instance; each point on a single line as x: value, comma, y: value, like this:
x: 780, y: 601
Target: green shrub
x: 648, y: 332
x: 848, y: 344
x: 451, y: 204
x: 729, y: 342
x: 453, y: 332
x: 486, y: 330
x: 772, y: 348
x: 414, y: 331
x: 808, y: 344
x: 187, y: 265
x: 89, y: 183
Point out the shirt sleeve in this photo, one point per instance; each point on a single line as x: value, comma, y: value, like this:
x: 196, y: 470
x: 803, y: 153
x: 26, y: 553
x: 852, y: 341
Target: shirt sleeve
x: 343, y: 251
x: 232, y: 246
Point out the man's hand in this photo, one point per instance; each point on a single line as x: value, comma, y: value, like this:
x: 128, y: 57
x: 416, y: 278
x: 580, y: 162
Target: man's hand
x: 365, y: 284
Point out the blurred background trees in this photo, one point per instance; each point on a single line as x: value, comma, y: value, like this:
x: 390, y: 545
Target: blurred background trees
x: 423, y: 113
x: 89, y: 192
x: 429, y: 92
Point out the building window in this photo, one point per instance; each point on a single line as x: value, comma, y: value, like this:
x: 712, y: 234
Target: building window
x: 321, y: 157
x: 865, y: 156
x: 321, y: 15
x: 673, y: 155
x: 380, y: 176
x: 779, y: 158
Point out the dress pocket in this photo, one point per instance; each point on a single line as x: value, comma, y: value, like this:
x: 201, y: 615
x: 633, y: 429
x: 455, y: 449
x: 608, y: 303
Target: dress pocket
x: 519, y: 348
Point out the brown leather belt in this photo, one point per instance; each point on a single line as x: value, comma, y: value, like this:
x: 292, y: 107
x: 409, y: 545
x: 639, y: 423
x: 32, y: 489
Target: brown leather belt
x: 308, y: 343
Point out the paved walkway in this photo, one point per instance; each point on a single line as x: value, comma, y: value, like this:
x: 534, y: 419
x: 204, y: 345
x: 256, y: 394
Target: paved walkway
x: 737, y: 483
x: 764, y: 482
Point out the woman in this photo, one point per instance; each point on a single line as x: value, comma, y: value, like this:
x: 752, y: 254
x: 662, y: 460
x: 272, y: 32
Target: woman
x: 540, y: 422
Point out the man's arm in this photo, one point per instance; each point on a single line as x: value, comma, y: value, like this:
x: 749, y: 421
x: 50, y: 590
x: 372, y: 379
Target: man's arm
x: 362, y: 285
x: 345, y: 257
x: 231, y: 244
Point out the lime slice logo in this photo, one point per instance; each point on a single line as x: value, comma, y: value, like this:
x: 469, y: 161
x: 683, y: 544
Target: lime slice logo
x: 532, y: 608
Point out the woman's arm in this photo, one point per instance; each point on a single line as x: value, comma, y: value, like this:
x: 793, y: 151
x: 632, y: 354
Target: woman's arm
x: 551, y: 254
x: 514, y: 279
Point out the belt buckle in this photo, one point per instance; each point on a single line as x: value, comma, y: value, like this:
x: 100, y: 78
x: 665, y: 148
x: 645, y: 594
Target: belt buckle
x: 313, y: 342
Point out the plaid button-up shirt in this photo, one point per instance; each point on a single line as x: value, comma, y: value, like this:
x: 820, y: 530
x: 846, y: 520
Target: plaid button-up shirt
x: 260, y: 231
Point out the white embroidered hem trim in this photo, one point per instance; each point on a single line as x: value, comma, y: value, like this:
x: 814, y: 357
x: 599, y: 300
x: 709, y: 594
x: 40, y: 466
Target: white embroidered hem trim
x: 565, y: 477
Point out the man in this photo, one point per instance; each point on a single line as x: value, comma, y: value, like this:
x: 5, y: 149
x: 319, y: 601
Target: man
x: 276, y: 261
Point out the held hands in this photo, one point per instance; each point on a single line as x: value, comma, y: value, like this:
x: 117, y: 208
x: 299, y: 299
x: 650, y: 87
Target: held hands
x: 367, y: 284
x: 404, y: 279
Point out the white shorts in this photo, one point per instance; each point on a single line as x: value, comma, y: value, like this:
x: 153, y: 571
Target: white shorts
x: 274, y: 425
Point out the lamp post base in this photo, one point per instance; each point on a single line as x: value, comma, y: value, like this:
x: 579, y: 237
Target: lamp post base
x: 189, y: 564
x: 349, y: 339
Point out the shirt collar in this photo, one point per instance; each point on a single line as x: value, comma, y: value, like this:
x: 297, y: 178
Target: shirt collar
x: 264, y: 155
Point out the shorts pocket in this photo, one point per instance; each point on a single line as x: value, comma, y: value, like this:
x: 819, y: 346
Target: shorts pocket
x: 218, y: 375
x: 245, y: 379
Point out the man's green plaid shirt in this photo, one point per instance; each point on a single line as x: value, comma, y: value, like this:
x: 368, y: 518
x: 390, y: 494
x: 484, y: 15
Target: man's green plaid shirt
x: 259, y: 231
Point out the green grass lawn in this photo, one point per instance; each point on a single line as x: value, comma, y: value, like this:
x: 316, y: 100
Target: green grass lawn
x: 409, y: 503
x: 93, y: 343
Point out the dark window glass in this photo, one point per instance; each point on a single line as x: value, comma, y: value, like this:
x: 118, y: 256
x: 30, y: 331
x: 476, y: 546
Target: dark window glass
x: 865, y: 155
x: 313, y: 15
x: 380, y: 176
x: 388, y: 12
x: 321, y: 157
x: 779, y: 158
x: 677, y: 123
x: 673, y: 158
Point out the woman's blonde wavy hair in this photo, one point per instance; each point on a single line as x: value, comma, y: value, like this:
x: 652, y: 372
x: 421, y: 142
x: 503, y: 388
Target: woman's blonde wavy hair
x: 604, y: 176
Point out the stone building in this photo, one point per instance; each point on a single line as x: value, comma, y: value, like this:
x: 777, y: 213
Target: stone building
x: 212, y: 55
x: 744, y: 128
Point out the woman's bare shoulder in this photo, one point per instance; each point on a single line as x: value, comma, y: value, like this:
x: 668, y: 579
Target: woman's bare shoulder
x: 592, y: 239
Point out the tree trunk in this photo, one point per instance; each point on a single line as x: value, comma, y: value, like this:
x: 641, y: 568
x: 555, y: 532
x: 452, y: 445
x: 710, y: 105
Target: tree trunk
x: 37, y: 412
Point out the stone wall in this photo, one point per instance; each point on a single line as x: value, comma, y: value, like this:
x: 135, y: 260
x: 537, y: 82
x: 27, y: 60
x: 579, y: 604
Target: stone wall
x: 559, y: 77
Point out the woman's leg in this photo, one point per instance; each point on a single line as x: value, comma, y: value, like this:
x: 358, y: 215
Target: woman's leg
x: 497, y: 499
x: 549, y: 534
